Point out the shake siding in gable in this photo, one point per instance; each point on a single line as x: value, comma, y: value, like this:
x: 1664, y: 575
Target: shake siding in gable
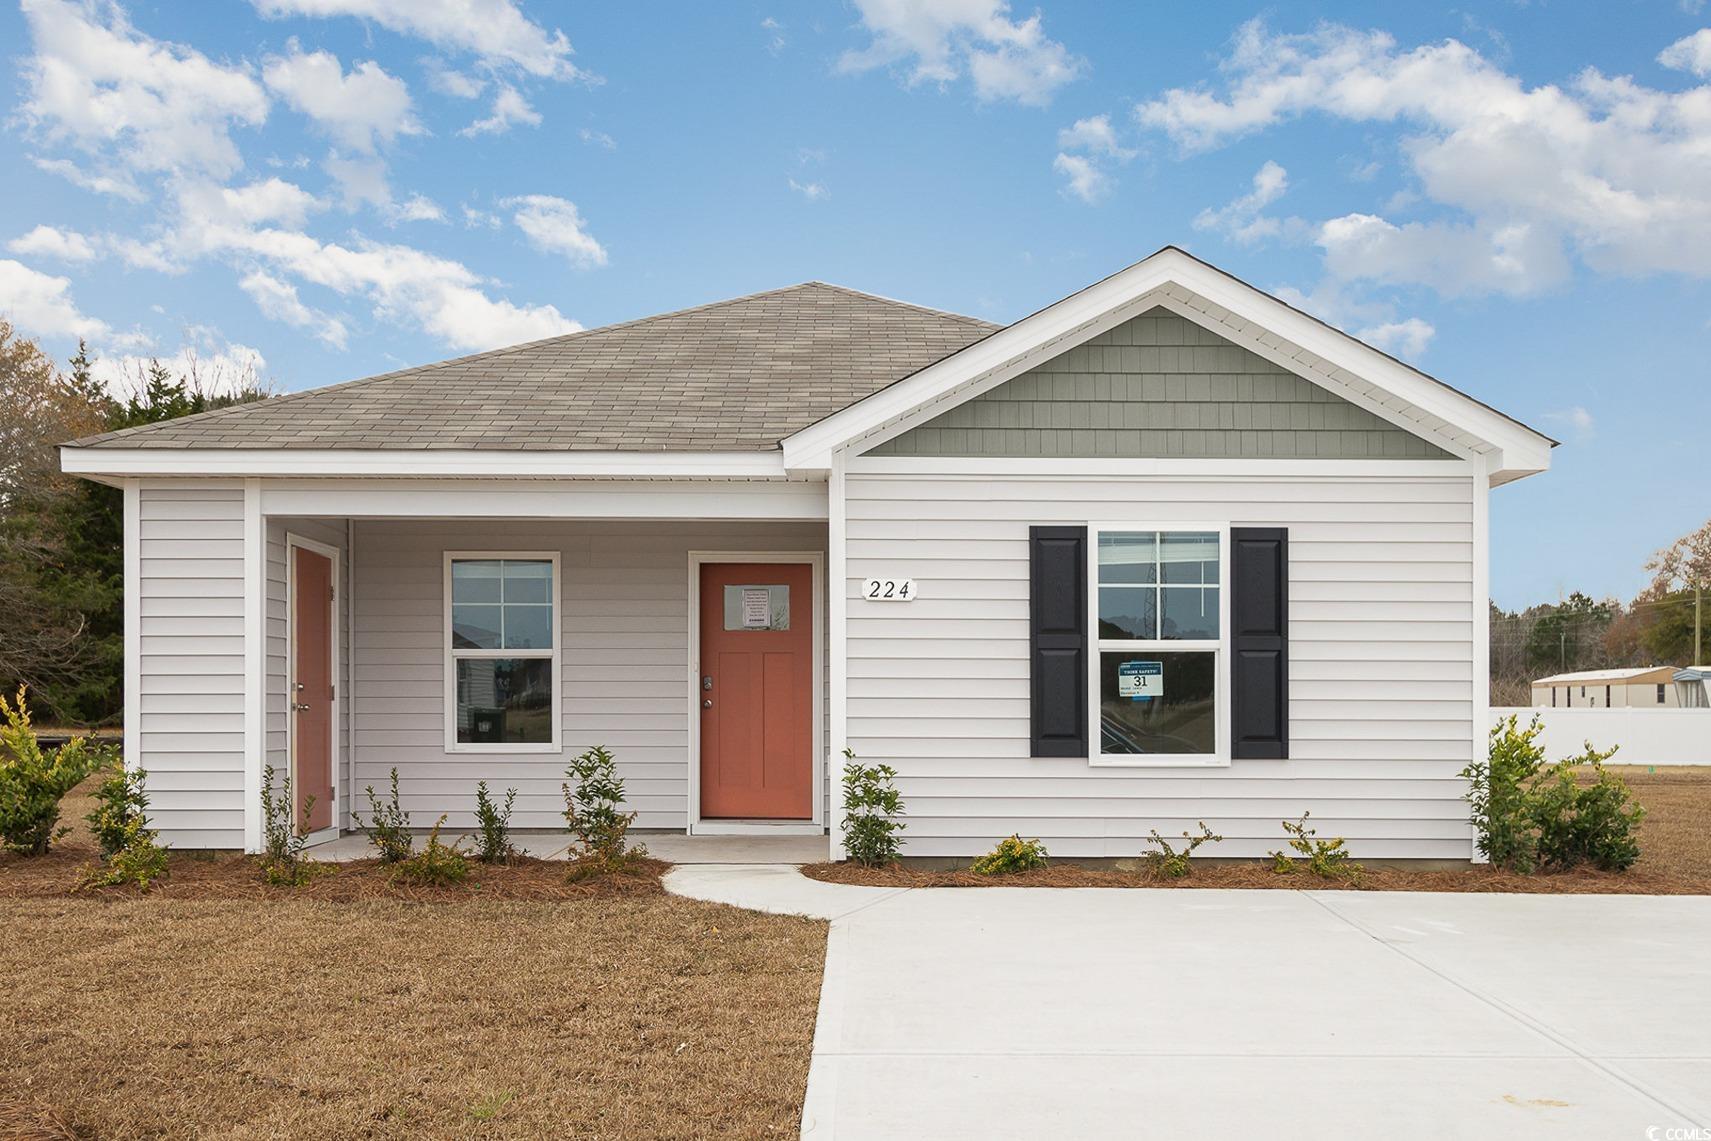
x: 1381, y: 664
x: 623, y: 623
x: 1159, y: 386
x: 190, y: 709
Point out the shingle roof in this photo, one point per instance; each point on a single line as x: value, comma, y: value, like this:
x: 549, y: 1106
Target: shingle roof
x: 736, y: 375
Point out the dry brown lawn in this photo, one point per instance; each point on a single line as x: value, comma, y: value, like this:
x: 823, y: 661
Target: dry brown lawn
x: 1675, y: 845
x: 525, y: 1007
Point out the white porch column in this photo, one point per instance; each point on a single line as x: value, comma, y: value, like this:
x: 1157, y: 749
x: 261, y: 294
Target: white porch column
x: 255, y: 661
x: 133, y: 706
x: 837, y: 606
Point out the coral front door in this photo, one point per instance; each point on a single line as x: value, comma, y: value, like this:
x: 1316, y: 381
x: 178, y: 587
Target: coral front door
x: 756, y: 691
x: 312, y: 686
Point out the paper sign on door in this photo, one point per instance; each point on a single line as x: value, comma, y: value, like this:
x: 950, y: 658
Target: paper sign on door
x: 1140, y: 681
x: 757, y: 607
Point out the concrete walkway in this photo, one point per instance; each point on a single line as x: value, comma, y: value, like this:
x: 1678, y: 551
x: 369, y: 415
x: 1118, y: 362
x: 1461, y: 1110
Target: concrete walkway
x: 1015, y: 1012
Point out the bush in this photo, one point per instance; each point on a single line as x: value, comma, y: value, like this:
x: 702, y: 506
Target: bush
x: 593, y: 811
x: 1013, y: 854
x: 119, y: 802
x: 1169, y: 862
x: 1327, y: 859
x: 32, y: 783
x: 1595, y: 824
x: 1528, y: 814
x: 120, y: 824
x: 493, y: 840
x: 436, y: 865
x: 1498, y: 794
x: 872, y: 805
x: 388, y: 827
x: 283, y: 835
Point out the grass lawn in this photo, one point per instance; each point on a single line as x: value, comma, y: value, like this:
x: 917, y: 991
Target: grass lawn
x: 215, y: 1006
x: 1675, y: 846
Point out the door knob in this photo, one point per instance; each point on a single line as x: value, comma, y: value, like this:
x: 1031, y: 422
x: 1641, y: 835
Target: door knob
x: 707, y: 704
x: 299, y: 706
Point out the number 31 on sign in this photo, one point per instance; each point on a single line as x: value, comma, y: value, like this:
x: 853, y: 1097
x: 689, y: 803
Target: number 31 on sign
x: 888, y: 589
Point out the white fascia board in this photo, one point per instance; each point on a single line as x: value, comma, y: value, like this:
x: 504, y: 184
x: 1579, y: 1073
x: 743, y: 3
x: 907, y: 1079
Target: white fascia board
x: 323, y: 463
x: 1522, y: 450
x: 796, y: 500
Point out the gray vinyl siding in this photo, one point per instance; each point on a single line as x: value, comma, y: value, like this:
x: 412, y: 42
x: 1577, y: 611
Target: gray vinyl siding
x: 330, y: 533
x: 1381, y: 664
x: 1159, y: 386
x: 624, y: 620
x: 190, y: 708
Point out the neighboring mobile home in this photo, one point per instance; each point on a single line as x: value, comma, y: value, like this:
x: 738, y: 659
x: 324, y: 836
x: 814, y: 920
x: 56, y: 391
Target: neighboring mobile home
x: 1644, y: 687
x: 1165, y: 551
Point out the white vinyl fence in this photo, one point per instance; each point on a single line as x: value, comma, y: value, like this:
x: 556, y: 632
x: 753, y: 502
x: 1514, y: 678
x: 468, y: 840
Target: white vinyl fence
x: 1647, y: 736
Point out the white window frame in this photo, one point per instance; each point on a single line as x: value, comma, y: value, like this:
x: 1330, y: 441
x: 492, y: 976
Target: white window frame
x: 453, y: 745
x: 1219, y: 648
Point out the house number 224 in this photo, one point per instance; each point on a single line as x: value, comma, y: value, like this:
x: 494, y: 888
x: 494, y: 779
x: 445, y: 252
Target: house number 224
x: 889, y: 589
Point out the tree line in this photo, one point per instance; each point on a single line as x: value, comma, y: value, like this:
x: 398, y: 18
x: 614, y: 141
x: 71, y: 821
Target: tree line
x: 62, y: 562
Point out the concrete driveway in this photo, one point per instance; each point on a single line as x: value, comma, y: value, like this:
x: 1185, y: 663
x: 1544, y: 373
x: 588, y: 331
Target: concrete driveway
x: 1042, y: 1013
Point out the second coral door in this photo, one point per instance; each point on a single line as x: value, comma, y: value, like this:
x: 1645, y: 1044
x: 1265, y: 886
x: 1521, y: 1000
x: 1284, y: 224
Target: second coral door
x: 756, y: 691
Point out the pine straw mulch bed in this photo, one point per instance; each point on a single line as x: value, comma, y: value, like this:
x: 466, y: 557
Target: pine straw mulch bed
x: 519, y: 1005
x: 1675, y: 846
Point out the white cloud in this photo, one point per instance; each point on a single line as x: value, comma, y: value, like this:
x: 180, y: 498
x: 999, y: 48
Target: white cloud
x: 267, y: 201
x: 416, y: 208
x: 1690, y: 53
x: 1406, y: 339
x: 360, y: 110
x: 812, y: 191
x: 359, y: 180
x: 1088, y: 149
x: 775, y: 35
x: 139, y: 254
x: 1617, y: 173
x: 1082, y: 177
x: 1244, y: 220
x: 509, y: 109
x: 96, y: 82
x: 117, y: 186
x: 41, y: 304
x: 212, y: 366
x: 937, y: 41
x: 1577, y: 420
x: 496, y: 31
x: 61, y: 245
x: 278, y: 300
x: 458, y: 84
x: 597, y: 138
x: 553, y: 225
x: 1454, y: 259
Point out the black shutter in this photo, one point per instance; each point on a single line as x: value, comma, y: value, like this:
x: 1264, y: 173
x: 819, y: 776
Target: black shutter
x: 1259, y: 643
x: 1057, y: 640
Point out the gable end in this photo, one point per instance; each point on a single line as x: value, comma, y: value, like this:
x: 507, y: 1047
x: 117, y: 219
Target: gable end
x: 1159, y: 386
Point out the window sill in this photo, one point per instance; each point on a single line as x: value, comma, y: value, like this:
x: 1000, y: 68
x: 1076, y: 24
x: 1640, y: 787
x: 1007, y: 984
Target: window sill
x: 503, y: 747
x: 1158, y: 761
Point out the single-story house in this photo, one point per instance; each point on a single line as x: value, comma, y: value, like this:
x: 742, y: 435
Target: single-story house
x: 1167, y: 550
x: 1641, y: 687
x: 1693, y: 687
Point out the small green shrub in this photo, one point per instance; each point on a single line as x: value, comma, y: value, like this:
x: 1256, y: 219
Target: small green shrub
x: 1528, y: 814
x: 1498, y: 794
x: 593, y: 811
x: 32, y: 783
x: 1577, y: 824
x: 872, y: 805
x: 119, y: 801
x: 1327, y: 859
x: 388, y: 826
x: 284, y: 834
x: 436, y: 865
x: 1013, y: 854
x: 493, y: 824
x: 1169, y: 862
x: 139, y: 860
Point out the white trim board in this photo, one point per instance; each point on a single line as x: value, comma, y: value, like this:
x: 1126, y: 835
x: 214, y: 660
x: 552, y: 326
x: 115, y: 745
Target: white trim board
x: 816, y: 562
x: 1290, y: 337
x: 322, y: 462
x: 334, y: 606
x: 133, y: 586
x: 581, y: 498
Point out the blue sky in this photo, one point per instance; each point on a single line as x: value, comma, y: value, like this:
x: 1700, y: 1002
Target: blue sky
x: 1516, y: 198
